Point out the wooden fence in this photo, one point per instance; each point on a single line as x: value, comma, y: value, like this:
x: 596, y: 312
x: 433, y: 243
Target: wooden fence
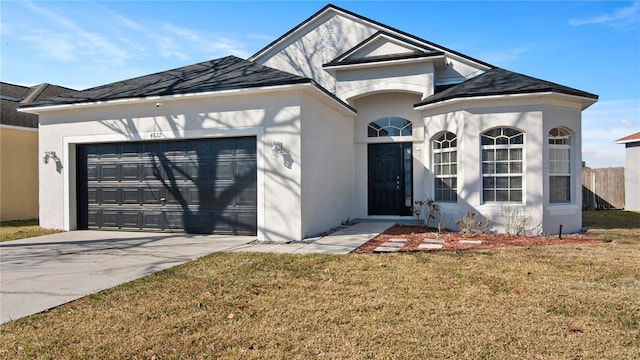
x: 603, y: 188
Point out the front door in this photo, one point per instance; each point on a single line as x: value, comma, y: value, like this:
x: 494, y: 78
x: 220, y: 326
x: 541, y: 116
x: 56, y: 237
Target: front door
x: 390, y: 179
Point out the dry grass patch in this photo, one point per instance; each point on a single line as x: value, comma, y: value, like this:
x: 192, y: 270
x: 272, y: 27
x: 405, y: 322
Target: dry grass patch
x: 544, y: 302
x: 20, y: 229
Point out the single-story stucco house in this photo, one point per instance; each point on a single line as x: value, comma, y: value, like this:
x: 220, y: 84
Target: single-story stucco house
x: 631, y: 171
x: 340, y: 118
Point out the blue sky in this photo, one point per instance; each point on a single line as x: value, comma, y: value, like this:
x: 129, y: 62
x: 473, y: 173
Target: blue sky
x: 589, y: 45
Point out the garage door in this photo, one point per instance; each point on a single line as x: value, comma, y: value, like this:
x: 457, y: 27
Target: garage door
x: 195, y: 186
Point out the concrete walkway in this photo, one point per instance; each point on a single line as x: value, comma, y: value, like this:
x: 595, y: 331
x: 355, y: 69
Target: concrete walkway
x: 40, y: 273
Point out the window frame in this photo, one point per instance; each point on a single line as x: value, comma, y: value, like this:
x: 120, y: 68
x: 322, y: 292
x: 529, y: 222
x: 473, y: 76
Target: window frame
x: 510, y: 141
x: 438, y: 155
x: 561, y: 141
x: 379, y: 125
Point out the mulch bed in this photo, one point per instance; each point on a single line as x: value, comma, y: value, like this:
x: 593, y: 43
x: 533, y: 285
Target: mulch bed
x: 416, y: 234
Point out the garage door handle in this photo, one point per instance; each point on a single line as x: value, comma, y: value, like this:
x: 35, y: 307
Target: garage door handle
x: 163, y: 199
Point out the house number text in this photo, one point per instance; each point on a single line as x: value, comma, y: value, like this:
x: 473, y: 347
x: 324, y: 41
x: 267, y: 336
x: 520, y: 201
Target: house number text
x: 155, y: 135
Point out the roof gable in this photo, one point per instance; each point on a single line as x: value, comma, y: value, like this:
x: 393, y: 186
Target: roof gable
x: 498, y: 81
x: 329, y: 9
x: 383, y: 46
x: 215, y: 75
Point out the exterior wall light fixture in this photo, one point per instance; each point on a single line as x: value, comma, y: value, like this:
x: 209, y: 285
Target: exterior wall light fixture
x: 277, y: 148
x: 49, y: 155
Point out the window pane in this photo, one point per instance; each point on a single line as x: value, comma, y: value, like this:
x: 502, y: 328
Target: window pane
x: 516, y: 154
x: 502, y: 168
x: 517, y: 139
x: 502, y: 182
x: 516, y: 168
x: 502, y: 154
x: 488, y: 155
x: 502, y: 195
x: 488, y: 168
x: 560, y: 189
x: 488, y: 195
x: 516, y: 195
x: 516, y: 182
x: 488, y: 182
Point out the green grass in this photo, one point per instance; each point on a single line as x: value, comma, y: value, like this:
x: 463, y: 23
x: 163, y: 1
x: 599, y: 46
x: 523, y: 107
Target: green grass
x: 20, y: 229
x: 619, y: 225
x: 545, y: 302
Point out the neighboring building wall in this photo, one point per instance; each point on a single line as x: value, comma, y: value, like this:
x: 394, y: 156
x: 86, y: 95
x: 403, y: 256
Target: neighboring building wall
x: 632, y: 177
x: 270, y: 118
x: 19, y: 168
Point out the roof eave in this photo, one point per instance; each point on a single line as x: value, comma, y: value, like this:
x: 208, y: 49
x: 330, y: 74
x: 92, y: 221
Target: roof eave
x: 585, y: 101
x: 332, y: 68
x: 157, y: 99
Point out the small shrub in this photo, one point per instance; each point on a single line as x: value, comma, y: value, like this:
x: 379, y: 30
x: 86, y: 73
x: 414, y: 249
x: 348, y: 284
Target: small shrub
x: 472, y: 223
x: 431, y: 211
x: 518, y: 223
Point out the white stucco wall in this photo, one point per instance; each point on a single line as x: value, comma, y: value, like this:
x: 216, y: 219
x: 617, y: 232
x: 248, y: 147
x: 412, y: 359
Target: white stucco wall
x: 269, y: 117
x: 415, y: 77
x: 371, y: 108
x: 328, y: 173
x: 535, y: 117
x: 632, y: 177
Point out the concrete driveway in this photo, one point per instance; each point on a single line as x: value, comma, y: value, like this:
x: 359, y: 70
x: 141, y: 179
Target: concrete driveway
x: 39, y: 273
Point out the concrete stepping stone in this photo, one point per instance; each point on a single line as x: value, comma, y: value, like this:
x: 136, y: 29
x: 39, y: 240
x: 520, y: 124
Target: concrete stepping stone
x: 393, y: 244
x: 398, y: 240
x: 471, y: 242
x: 434, y: 241
x: 430, y: 246
x: 386, y: 249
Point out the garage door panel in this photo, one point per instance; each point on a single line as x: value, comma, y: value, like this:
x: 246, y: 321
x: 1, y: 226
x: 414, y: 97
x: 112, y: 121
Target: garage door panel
x: 153, y: 220
x: 132, y: 196
x: 93, y: 173
x: 247, y: 195
x: 110, y: 219
x: 202, y: 186
x: 152, y: 172
x: 132, y: 220
x: 109, y: 172
x: 174, y: 220
x: 110, y: 196
x: 131, y: 172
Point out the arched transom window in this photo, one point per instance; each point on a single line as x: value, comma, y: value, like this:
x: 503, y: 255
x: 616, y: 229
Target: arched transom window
x: 445, y: 167
x: 390, y: 126
x: 502, y: 165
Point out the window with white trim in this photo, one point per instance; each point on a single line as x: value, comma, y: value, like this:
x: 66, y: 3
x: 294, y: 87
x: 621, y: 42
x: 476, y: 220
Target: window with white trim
x: 389, y: 126
x: 559, y: 165
x: 445, y: 167
x: 502, y: 165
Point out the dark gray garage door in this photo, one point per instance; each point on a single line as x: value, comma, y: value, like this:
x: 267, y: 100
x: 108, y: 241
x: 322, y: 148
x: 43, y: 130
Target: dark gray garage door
x: 196, y: 186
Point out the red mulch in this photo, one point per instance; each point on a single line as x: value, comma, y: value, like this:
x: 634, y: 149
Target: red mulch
x: 417, y: 233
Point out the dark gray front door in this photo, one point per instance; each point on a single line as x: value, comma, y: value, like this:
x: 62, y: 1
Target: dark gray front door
x: 196, y: 186
x: 390, y: 179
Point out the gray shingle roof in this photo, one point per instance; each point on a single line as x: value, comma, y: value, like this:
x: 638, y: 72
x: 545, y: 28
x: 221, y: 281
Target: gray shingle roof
x: 215, y: 75
x: 12, y: 96
x: 498, y: 81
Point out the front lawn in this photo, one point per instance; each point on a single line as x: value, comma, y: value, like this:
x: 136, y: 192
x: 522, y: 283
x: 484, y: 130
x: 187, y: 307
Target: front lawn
x: 544, y: 302
x: 20, y: 229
